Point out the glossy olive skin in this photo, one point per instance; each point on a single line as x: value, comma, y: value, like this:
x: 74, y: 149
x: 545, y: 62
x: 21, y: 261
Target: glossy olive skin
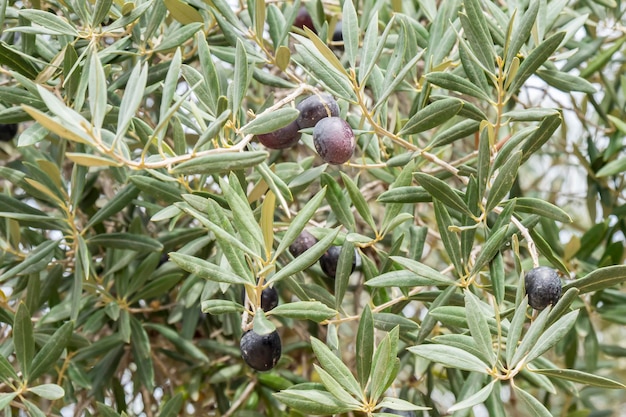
x: 334, y: 140
x: 303, y: 19
x: 269, y: 299
x: 7, y: 132
x: 543, y: 287
x: 260, y: 352
x: 338, y: 32
x: 283, y: 138
x: 315, y: 108
x: 397, y: 412
x: 303, y: 242
x: 328, y: 261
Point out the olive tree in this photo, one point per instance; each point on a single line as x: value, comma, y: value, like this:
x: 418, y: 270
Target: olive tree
x: 286, y: 208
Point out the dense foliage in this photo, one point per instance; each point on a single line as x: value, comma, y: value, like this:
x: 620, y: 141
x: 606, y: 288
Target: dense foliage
x: 144, y: 226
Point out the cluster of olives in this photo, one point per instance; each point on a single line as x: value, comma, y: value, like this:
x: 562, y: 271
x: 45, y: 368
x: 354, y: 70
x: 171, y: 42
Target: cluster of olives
x: 333, y: 137
x: 543, y: 287
x: 328, y: 261
x: 262, y: 351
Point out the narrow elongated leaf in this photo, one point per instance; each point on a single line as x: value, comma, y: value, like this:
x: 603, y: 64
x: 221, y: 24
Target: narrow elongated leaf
x: 478, y: 326
x: 612, y: 168
x: 540, y: 136
x: 541, y: 208
x: 6, y: 398
x: 521, y: 32
x: 364, y: 346
x: 449, y: 239
x: 51, y: 351
x: 335, y: 367
x: 243, y: 217
x: 451, y: 357
x: 458, y: 131
x: 443, y: 192
x: 182, y: 344
x: 133, y: 94
x: 552, y: 335
x: 345, y: 265
x: 531, y: 337
x: 581, y: 377
x: 206, y: 269
x: 431, y: 116
x: 50, y: 21
x: 312, y: 401
x: 533, y: 405
x: 48, y: 391
x: 38, y: 256
x: 477, y: 32
x: 515, y: 330
x: 7, y: 373
x: 221, y: 307
x: 336, y: 389
x: 478, y: 398
x: 23, y: 339
x: 350, y: 31
x: 173, y: 406
x: 97, y: 90
x: 400, y: 404
x: 220, y: 162
x: 271, y: 121
x: 338, y: 201
x: 566, y: 82
x: 534, y: 60
x: 304, y: 310
x: 599, y: 279
x: 455, y: 83
x: 124, y: 240
x: 504, y: 181
x: 358, y: 201
x: 490, y: 248
x: 422, y: 270
x: 117, y: 203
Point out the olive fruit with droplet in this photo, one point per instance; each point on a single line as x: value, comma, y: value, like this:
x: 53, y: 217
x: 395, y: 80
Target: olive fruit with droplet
x: 316, y: 107
x: 7, y: 132
x: 303, y: 242
x: 303, y: 19
x: 334, y: 140
x: 329, y: 260
x: 260, y: 352
x: 543, y: 287
x: 397, y: 412
x: 285, y: 137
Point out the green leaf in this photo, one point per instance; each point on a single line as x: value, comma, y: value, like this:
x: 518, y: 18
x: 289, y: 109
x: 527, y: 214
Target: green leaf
x: 566, y: 82
x: 336, y: 389
x: 7, y: 373
x: 534, y: 60
x: 215, y: 307
x: 345, y: 265
x: 477, y: 32
x: 612, y: 168
x: 172, y: 407
x: 521, y: 32
x: 220, y: 162
x: 479, y: 328
x: 458, y: 84
x: 261, y: 324
x: 205, y: 269
x: 23, y: 339
x: 243, y: 217
x: 540, y: 136
x: 443, y: 192
x: 182, y: 344
x: 358, y: 201
x: 312, y: 401
x: 156, y: 188
x: 451, y: 357
x: 6, y: 398
x: 40, y: 257
x: 531, y: 337
x: 140, y: 344
x: 133, y: 95
x: 304, y: 310
x: 541, y: 208
x: 335, y: 367
x: 504, y: 181
x: 490, y: 248
x: 299, y: 222
x: 552, y: 335
x: 478, y: 398
x: 399, y: 404
x: 455, y: 132
x: 601, y: 58
x: 51, y: 351
x: 14, y: 60
x: 116, y: 204
x: 183, y: 12
x: 383, y: 364
x: 581, y: 377
x: 106, y: 411
x: 271, y: 121
x: 599, y: 279
x: 48, y: 391
x: 338, y: 201
x: 423, y: 270
x: 129, y: 241
x: 51, y: 22
x: 431, y: 116
x: 178, y: 36
x: 532, y: 405
x: 450, y: 240
x: 364, y: 346
x: 97, y: 90
x: 350, y: 31
x: 515, y: 330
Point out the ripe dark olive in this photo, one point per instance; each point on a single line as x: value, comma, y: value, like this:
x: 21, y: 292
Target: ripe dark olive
x: 334, y: 140
x: 328, y: 261
x: 285, y: 137
x: 260, y: 352
x: 269, y: 298
x: 315, y: 108
x: 302, y: 243
x: 398, y: 413
x: 7, y: 132
x: 338, y: 32
x: 303, y: 19
x: 543, y: 287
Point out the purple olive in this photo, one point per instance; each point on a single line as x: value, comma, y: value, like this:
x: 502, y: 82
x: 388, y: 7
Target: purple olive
x: 543, y: 287
x: 285, y: 137
x: 329, y: 260
x: 302, y: 243
x: 334, y: 140
x: 7, y: 132
x: 303, y: 19
x: 315, y: 108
